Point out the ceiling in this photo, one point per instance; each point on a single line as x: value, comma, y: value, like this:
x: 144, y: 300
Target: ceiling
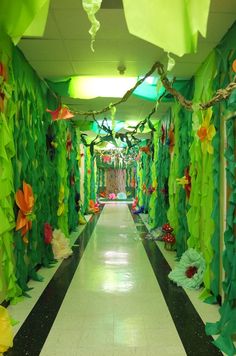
x: 64, y: 50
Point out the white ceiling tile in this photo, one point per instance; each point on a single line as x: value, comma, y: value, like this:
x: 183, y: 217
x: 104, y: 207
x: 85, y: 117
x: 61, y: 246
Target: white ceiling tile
x: 53, y: 69
x: 109, y: 50
x: 40, y: 49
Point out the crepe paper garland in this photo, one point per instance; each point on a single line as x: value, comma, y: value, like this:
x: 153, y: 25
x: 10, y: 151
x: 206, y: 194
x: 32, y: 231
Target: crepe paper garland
x: 189, y: 271
x: 6, y: 331
x: 25, y: 202
x: 61, y: 113
x: 47, y: 233
x: 60, y: 245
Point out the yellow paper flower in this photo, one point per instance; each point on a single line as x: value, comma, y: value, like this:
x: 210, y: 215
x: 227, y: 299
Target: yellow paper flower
x: 206, y: 132
x: 61, y: 207
x: 6, y: 333
x: 182, y: 181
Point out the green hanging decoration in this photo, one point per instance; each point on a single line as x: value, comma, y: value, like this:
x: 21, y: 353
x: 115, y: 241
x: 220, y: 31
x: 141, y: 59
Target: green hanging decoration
x: 91, y: 7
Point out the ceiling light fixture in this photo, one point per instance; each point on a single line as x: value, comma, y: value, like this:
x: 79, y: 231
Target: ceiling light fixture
x: 86, y: 87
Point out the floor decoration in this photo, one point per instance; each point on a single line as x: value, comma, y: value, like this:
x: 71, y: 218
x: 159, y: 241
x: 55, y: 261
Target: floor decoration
x: 189, y: 271
x: 60, y: 245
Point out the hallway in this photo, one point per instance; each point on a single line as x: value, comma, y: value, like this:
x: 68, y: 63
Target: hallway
x: 118, y: 308
x: 113, y: 305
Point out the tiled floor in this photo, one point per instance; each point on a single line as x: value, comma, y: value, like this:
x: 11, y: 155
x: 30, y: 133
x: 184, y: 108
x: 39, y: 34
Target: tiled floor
x: 114, y: 305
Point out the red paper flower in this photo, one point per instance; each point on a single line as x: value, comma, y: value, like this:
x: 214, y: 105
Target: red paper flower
x: 47, y: 233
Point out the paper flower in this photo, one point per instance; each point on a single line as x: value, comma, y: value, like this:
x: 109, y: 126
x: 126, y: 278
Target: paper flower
x: 91, y: 7
x: 106, y: 159
x: 61, y: 205
x: 185, y: 181
x: 151, y: 189
x: 145, y: 149
x: 112, y: 196
x: 60, y: 245
x: 206, y: 132
x: 171, y: 136
x: 61, y: 113
x: 25, y: 202
x: 189, y: 271
x: 93, y: 207
x: 68, y: 144
x: 47, y: 233
x: 6, y: 332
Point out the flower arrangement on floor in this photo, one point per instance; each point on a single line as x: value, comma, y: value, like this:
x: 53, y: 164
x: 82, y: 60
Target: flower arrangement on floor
x: 60, y: 245
x: 93, y: 207
x: 6, y: 332
x: 112, y: 196
x: 189, y: 271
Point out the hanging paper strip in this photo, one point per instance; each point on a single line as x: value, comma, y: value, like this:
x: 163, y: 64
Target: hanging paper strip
x: 171, y: 25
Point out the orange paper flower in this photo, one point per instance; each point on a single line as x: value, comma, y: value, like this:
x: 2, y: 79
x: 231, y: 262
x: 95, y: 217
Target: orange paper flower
x: 206, y: 132
x: 25, y: 202
x: 61, y: 113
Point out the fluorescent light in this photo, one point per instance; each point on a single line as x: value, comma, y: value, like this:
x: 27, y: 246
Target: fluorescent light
x: 85, y: 87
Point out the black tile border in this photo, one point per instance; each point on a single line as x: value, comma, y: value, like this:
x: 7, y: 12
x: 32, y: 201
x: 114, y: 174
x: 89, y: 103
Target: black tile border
x: 33, y: 333
x: 189, y: 325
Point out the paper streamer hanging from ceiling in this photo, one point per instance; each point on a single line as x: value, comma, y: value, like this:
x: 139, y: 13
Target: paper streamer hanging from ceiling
x: 25, y: 17
x: 171, y: 25
x: 91, y: 7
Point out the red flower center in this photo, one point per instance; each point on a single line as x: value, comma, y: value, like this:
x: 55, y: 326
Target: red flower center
x: 190, y: 271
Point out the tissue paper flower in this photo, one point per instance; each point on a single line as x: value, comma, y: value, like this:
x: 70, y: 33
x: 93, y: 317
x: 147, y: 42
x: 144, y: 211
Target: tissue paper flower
x: 206, y: 132
x: 189, y: 271
x: 60, y: 245
x: 6, y: 333
x: 25, y: 202
x: 112, y: 196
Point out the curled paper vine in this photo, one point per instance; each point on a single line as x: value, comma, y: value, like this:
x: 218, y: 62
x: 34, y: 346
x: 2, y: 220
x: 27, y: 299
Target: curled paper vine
x: 91, y: 7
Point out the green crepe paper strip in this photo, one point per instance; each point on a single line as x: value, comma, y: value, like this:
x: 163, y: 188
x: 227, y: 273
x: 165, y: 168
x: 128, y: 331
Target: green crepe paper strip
x: 184, y: 140
x: 91, y: 7
x: 87, y: 179
x: 140, y: 180
x: 93, y: 169
x: 174, y: 188
x: 9, y: 289
x: 61, y: 164
x: 190, y: 258
x: 226, y: 326
x: 73, y: 174
x: 171, y: 25
x: 16, y: 16
x: 32, y: 164
x: 153, y: 198
x: 200, y: 222
x: 162, y: 166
